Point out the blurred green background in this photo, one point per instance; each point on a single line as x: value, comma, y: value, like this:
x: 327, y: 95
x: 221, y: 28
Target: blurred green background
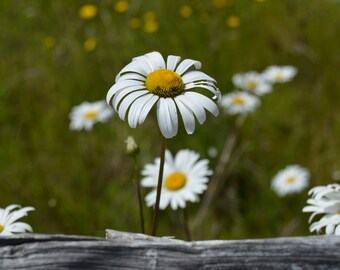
x: 53, y: 58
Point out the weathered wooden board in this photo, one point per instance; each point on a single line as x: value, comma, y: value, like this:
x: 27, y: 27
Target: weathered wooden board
x: 136, y: 251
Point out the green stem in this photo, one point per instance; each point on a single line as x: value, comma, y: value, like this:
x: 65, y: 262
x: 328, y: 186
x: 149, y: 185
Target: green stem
x: 139, y: 195
x: 159, y: 187
x: 186, y: 225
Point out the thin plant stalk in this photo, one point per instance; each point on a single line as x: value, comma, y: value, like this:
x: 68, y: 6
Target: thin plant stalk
x: 186, y: 225
x: 159, y: 187
x: 139, y: 194
x: 214, y: 186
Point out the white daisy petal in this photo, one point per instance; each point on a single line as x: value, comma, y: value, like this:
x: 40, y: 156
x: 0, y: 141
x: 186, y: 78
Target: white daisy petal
x: 187, y: 116
x: 146, y: 109
x: 127, y: 101
x: 135, y: 109
x: 207, y: 103
x: 186, y: 64
x: 135, y: 67
x: 196, y: 108
x: 124, y: 92
x: 167, y: 117
x: 195, y: 75
x: 172, y: 62
x: 156, y: 60
x: 8, y: 218
x: 120, y: 86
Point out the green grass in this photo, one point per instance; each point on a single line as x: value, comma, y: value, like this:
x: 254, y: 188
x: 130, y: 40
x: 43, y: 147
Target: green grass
x: 89, y: 174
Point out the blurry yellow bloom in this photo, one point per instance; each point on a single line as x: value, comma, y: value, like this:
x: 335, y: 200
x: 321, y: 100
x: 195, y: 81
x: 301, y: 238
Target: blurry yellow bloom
x: 135, y: 23
x: 149, y: 16
x: 185, y: 11
x: 90, y: 44
x: 222, y: 3
x: 151, y: 26
x: 121, y: 6
x: 49, y: 42
x: 233, y: 21
x: 88, y: 11
x: 150, y: 23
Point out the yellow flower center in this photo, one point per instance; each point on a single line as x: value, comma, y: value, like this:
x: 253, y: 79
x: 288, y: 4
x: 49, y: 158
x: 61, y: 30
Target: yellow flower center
x: 164, y: 83
x: 251, y: 84
x: 338, y: 212
x: 238, y: 100
x: 278, y: 77
x: 290, y: 180
x: 1, y: 228
x: 91, y: 115
x: 175, y: 181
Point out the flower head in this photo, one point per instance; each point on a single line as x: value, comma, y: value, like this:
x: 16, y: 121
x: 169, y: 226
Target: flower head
x: 132, y: 147
x: 148, y: 80
x: 8, y: 216
x: 253, y: 82
x: 88, y: 11
x: 87, y: 114
x: 239, y: 102
x: 325, y: 200
x: 184, y: 177
x: 277, y: 74
x: 291, y: 179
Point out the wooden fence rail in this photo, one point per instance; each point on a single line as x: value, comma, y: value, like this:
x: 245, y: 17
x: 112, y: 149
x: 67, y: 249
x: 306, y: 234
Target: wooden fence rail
x: 136, y: 251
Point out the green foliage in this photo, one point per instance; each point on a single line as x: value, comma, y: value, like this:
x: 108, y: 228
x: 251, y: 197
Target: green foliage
x: 80, y: 182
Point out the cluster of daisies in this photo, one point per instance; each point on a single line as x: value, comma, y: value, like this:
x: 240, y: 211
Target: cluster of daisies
x: 171, y: 86
x: 251, y: 86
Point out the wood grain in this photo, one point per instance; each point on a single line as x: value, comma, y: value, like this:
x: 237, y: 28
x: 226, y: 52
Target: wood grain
x: 136, y: 251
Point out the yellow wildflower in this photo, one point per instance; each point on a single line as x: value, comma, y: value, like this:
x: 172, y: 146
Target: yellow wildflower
x: 121, y: 6
x: 90, y: 44
x: 233, y: 21
x: 88, y: 11
x: 185, y: 11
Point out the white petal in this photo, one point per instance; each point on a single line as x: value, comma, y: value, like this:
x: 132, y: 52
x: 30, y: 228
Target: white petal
x: 197, y: 109
x: 187, y: 116
x: 207, y: 103
x: 212, y: 89
x: 127, y: 101
x: 167, y: 117
x: 135, y: 67
x: 186, y: 64
x: 131, y: 76
x: 156, y: 60
x: 195, y: 75
x: 124, y: 92
x: 172, y: 62
x: 146, y: 109
x: 136, y: 109
x: 120, y: 86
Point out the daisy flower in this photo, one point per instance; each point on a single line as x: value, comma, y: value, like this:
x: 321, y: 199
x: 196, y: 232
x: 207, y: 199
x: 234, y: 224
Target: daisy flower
x: 253, y: 82
x: 8, y: 216
x: 239, y: 102
x: 279, y: 74
x: 173, y: 85
x: 325, y: 200
x: 184, y: 177
x: 87, y: 114
x: 291, y: 179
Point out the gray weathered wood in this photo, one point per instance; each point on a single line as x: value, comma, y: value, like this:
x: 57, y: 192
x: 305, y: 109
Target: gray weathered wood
x: 137, y: 251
